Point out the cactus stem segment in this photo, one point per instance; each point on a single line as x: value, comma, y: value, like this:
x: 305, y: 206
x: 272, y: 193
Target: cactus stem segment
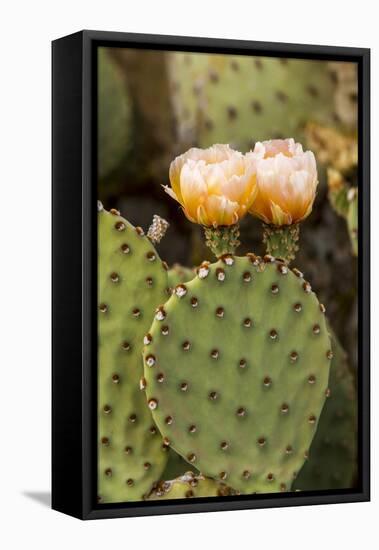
x: 222, y: 239
x: 281, y: 241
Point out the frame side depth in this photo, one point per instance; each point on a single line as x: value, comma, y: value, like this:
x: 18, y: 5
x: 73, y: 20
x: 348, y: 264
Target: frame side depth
x: 67, y: 385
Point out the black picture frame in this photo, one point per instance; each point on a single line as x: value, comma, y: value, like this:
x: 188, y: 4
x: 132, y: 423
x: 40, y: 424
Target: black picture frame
x: 74, y: 269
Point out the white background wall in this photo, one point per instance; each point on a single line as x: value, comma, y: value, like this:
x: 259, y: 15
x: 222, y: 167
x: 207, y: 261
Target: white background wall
x: 27, y: 27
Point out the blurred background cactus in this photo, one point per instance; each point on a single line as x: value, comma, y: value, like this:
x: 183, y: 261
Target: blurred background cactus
x: 154, y: 105
x: 114, y: 119
x: 238, y: 100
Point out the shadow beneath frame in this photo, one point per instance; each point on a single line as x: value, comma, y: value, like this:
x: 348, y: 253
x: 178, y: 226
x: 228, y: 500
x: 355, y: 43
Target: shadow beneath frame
x: 42, y: 497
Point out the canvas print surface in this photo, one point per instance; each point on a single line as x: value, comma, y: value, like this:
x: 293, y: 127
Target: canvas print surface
x: 227, y: 275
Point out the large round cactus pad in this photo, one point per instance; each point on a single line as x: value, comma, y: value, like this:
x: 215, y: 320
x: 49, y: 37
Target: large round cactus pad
x: 236, y: 371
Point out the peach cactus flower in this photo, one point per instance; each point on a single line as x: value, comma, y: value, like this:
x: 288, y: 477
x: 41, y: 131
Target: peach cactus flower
x: 215, y: 186
x: 287, y: 181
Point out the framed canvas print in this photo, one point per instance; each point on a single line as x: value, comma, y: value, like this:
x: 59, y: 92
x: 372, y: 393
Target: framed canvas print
x: 210, y: 275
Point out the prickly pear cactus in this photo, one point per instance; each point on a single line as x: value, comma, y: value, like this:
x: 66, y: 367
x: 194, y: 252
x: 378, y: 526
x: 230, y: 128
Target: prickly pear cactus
x: 189, y: 485
x: 237, y: 369
x: 176, y: 466
x: 346, y: 92
x: 231, y: 99
x: 332, y: 462
x: 352, y: 219
x: 344, y: 200
x: 131, y: 280
x: 179, y: 274
x: 114, y: 115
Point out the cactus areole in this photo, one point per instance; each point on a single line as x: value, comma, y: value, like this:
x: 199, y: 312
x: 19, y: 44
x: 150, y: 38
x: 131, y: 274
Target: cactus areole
x: 222, y: 239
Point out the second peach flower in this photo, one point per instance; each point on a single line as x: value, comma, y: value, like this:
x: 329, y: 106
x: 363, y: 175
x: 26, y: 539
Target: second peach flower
x: 287, y: 181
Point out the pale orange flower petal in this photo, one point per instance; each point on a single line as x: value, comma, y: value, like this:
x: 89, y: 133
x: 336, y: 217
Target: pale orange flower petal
x: 287, y: 182
x: 221, y: 211
x: 215, y: 186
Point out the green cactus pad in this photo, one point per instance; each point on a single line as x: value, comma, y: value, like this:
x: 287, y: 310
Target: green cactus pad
x: 352, y: 219
x: 179, y: 274
x: 189, y: 485
x: 176, y: 466
x: 114, y: 115
x: 242, y: 99
x: 237, y: 371
x: 332, y: 460
x: 344, y: 199
x: 131, y: 280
